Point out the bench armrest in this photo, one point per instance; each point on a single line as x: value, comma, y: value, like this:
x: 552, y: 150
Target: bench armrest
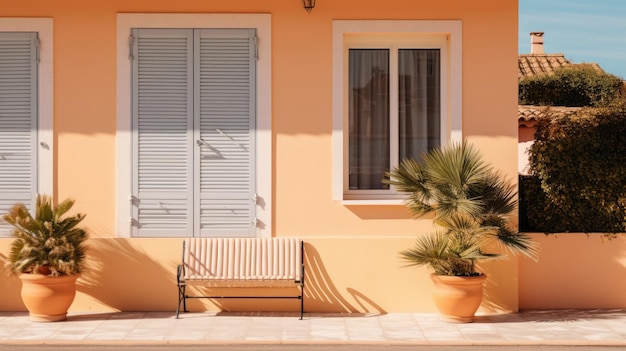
x: 180, y: 271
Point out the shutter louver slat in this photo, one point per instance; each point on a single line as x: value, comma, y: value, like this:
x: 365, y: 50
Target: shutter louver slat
x: 18, y: 121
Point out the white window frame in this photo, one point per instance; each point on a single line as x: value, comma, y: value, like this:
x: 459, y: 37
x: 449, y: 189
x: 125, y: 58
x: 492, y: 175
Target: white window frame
x: 262, y: 23
x: 45, y: 132
x: 446, y: 35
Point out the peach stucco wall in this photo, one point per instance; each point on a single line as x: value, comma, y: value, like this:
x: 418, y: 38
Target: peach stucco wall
x: 352, y: 251
x: 526, y: 137
x: 575, y: 271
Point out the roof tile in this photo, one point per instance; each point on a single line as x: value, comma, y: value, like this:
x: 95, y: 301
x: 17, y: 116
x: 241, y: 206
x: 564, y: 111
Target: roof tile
x: 530, y: 65
x: 530, y: 113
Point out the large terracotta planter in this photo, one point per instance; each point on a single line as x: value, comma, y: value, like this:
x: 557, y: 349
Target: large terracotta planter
x: 457, y: 298
x: 48, y: 298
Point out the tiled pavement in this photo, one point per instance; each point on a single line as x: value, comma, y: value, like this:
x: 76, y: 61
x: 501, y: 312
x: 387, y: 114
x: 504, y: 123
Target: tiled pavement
x: 555, y: 327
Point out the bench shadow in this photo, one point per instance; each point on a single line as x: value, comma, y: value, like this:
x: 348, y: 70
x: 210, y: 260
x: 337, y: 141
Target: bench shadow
x: 323, y: 296
x: 117, y: 266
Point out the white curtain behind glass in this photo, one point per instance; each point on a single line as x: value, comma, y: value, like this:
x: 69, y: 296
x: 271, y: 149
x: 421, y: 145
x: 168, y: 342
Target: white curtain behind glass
x: 419, y: 115
x: 419, y: 101
x: 369, y: 117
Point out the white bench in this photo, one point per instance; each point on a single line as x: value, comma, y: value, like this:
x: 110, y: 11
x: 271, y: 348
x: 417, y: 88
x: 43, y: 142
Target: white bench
x: 241, y: 262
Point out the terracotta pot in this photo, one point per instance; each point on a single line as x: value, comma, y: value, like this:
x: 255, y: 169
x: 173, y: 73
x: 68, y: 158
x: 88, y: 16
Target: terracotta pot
x: 457, y: 298
x: 48, y: 298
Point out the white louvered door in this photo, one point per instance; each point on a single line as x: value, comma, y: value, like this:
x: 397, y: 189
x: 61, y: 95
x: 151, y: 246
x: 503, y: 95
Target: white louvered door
x: 162, y: 132
x: 225, y: 183
x: 18, y: 121
x: 193, y: 132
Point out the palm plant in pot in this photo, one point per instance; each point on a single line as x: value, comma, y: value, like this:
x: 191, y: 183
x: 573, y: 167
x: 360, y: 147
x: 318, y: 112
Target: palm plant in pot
x: 471, y: 204
x: 47, y: 254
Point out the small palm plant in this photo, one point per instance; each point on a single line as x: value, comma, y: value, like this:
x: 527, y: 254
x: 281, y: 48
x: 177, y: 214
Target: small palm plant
x: 46, y: 243
x: 471, y: 204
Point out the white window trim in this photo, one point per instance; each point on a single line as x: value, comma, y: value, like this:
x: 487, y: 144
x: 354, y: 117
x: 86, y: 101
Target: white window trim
x: 45, y: 132
x: 262, y: 23
x: 451, y: 96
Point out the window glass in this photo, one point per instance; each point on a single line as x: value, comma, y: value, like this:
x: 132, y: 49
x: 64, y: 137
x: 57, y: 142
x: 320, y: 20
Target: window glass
x: 419, y: 96
x: 374, y: 146
x: 369, y: 117
x: 397, y: 93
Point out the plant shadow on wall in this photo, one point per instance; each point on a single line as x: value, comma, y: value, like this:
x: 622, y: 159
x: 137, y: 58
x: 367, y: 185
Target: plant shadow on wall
x: 124, y: 277
x: 324, y: 295
x: 10, y: 288
x: 472, y: 205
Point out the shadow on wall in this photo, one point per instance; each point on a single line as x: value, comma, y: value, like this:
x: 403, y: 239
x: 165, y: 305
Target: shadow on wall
x: 497, y: 294
x: 126, y: 275
x: 10, y: 288
x: 116, y: 274
x: 321, y: 295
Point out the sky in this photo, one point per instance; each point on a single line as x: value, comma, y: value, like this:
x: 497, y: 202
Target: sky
x: 582, y: 30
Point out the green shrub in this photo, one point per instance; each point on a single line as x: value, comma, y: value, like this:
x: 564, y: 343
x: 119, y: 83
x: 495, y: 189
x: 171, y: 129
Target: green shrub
x: 579, y: 165
x: 576, y: 85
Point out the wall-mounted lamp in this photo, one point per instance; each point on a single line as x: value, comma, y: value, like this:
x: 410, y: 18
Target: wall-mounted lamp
x: 308, y: 5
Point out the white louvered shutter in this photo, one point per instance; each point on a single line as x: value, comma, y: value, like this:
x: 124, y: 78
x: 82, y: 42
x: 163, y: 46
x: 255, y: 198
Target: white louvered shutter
x: 194, y: 126
x: 226, y: 112
x: 162, y: 132
x: 18, y: 121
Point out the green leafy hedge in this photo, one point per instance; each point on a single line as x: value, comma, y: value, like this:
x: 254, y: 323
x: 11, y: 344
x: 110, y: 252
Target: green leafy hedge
x: 578, y: 174
x: 576, y: 85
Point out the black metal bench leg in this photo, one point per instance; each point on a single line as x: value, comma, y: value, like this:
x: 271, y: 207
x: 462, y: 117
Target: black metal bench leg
x: 302, y: 280
x: 181, y: 298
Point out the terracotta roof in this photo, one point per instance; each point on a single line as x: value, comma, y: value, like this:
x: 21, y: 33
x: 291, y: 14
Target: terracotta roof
x: 528, y: 113
x: 540, y: 63
x: 533, y: 64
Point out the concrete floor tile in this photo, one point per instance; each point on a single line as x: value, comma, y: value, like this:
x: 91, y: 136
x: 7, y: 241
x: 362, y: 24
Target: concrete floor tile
x: 106, y: 335
x: 558, y: 326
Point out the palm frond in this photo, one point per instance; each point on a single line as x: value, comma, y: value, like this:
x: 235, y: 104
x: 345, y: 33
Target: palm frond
x: 471, y: 202
x: 49, y: 239
x: 459, y: 166
x: 409, y: 177
x: 433, y: 250
x: 518, y: 243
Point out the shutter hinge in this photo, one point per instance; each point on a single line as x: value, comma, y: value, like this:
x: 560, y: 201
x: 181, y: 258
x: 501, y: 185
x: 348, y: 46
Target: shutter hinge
x: 256, y: 47
x: 255, y: 197
x: 133, y: 200
x: 38, y: 49
x: 131, y: 42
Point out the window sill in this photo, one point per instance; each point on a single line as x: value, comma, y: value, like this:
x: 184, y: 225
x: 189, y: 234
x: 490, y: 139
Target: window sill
x: 373, y: 202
